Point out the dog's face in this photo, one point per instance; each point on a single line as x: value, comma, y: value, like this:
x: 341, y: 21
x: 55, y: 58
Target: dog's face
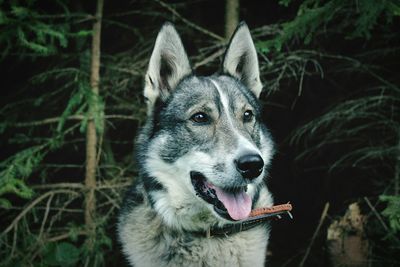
x: 208, y: 150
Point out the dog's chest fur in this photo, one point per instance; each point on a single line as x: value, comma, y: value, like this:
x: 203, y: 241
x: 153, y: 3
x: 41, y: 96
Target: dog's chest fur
x: 148, y: 242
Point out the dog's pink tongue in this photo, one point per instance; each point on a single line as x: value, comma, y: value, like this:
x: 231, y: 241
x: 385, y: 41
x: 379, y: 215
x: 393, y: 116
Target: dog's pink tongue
x: 238, y: 204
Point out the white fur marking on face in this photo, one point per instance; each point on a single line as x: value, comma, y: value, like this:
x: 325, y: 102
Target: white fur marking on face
x: 243, y: 143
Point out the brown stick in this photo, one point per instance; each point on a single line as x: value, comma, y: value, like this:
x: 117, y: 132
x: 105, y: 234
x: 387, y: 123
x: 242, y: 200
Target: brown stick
x: 321, y: 221
x: 397, y: 170
x: 72, y: 117
x: 32, y: 205
x: 270, y: 210
x: 209, y: 58
x: 190, y: 24
x: 376, y: 213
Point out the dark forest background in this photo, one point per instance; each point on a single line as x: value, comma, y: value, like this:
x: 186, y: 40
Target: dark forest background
x: 71, y: 104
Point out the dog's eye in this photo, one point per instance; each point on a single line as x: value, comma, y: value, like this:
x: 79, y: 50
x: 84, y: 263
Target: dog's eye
x: 248, y: 116
x: 200, y: 117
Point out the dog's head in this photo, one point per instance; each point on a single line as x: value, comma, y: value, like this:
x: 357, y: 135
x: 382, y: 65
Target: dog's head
x: 204, y: 150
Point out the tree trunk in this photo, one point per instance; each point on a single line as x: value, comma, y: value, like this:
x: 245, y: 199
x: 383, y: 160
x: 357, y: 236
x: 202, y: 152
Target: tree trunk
x: 397, y: 169
x: 91, y: 135
x: 231, y: 17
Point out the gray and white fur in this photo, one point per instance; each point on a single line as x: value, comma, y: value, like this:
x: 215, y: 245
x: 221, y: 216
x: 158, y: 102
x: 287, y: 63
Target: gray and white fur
x: 203, y: 134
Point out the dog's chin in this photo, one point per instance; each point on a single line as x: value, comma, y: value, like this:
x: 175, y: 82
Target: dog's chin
x: 208, y: 192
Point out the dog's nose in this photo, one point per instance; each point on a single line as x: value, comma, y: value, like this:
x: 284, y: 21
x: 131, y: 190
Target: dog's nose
x: 250, y: 166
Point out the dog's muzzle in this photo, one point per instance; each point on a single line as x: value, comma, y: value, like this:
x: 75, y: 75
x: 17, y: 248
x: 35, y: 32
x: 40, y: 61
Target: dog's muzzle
x: 230, y: 203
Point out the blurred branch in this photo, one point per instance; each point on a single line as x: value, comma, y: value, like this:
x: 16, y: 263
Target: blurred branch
x: 356, y: 63
x: 33, y: 204
x: 210, y: 58
x: 46, y: 214
x: 377, y: 215
x: 63, y: 236
x: 189, y: 23
x: 82, y: 186
x: 73, y: 117
x: 321, y: 221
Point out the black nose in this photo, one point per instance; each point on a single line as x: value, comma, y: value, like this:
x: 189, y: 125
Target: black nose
x: 250, y: 166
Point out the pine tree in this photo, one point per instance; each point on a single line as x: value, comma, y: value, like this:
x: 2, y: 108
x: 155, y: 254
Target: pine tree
x: 367, y: 121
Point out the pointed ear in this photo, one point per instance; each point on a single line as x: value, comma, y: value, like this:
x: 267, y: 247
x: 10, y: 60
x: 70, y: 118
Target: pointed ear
x: 168, y: 65
x: 241, y: 61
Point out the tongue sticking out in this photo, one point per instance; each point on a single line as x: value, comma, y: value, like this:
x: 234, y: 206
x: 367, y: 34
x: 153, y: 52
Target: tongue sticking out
x: 238, y: 204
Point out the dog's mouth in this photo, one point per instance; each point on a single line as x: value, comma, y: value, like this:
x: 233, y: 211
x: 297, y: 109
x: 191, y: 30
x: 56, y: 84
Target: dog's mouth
x: 230, y: 203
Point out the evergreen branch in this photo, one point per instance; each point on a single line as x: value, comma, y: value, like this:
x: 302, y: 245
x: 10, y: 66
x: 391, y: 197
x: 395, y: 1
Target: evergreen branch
x: 315, y: 234
x: 59, y: 185
x: 32, y: 205
x: 64, y: 16
x: 356, y: 63
x: 72, y: 117
x: 111, y: 200
x: 63, y: 236
x: 47, y: 121
x: 46, y: 214
x: 129, y: 28
x: 127, y: 70
x: 151, y: 13
x: 377, y: 215
x: 51, y: 209
x: 189, y: 23
x: 364, y: 153
x: 99, y: 185
x: 210, y: 58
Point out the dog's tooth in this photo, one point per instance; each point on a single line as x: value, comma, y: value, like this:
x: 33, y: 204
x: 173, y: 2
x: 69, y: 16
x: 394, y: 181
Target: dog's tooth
x: 211, y: 193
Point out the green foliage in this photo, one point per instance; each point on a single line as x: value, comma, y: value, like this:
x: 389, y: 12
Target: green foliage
x: 365, y: 122
x: 84, y: 102
x: 353, y: 121
x: 369, y: 13
x: 95, y: 108
x: 357, y: 18
x: 15, y: 170
x: 392, y: 212
x: 74, y: 231
x: 61, y: 254
x: 285, y: 3
x: 26, y: 30
x: 43, y: 219
x: 75, y: 105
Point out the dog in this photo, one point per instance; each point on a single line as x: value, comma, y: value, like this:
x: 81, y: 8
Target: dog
x: 203, y: 155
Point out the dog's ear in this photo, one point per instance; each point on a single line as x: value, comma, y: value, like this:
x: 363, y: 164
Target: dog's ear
x: 241, y: 61
x: 168, y: 65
